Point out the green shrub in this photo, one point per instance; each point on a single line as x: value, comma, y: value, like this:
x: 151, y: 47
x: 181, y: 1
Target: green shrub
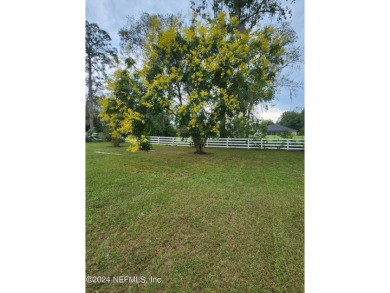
x: 287, y: 134
x: 92, y: 136
x: 144, y: 144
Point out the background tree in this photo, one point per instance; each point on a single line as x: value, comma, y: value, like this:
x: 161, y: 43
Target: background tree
x: 98, y: 124
x: 293, y: 120
x: 240, y: 126
x: 98, y: 55
x: 302, y: 129
x: 193, y: 71
x: 263, y: 129
x: 159, y: 123
x: 268, y: 122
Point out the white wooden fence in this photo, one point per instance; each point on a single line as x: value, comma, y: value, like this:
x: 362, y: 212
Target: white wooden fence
x: 288, y: 144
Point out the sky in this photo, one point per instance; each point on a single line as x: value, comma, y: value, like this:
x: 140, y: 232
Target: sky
x: 111, y: 15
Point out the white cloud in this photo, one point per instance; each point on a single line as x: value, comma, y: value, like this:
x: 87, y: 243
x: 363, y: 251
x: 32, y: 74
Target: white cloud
x: 270, y: 114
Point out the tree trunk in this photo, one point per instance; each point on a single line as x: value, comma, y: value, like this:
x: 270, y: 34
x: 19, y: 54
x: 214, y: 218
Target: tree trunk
x: 222, y: 119
x: 247, y: 129
x: 90, y: 113
x: 222, y: 128
x: 90, y: 96
x: 116, y: 141
x: 199, y: 145
x: 249, y: 105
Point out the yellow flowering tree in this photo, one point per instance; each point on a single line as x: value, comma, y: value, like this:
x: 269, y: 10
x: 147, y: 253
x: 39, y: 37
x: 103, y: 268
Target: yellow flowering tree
x: 198, y: 71
x: 122, y: 110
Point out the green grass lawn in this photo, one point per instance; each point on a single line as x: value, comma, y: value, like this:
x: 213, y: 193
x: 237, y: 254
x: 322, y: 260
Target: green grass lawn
x: 228, y: 221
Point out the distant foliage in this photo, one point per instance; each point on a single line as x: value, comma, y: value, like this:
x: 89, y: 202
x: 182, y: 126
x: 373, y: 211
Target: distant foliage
x: 243, y: 126
x: 263, y: 129
x: 287, y: 134
x: 159, y: 123
x: 92, y: 136
x: 293, y: 120
x: 269, y: 122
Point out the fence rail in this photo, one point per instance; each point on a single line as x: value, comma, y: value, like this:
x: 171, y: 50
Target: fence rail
x: 289, y: 144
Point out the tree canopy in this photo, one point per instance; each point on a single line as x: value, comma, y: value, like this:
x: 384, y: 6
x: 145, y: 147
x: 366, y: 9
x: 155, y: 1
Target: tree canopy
x: 250, y: 15
x: 122, y: 109
x: 124, y: 112
x: 134, y: 34
x: 193, y: 71
x: 247, y: 12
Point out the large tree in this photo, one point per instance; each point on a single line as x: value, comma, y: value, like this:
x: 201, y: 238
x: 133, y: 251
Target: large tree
x: 98, y: 55
x: 195, y: 70
x: 249, y: 14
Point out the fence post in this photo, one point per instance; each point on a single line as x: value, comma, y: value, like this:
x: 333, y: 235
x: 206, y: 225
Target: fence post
x: 158, y: 140
x: 261, y: 143
x: 227, y: 143
x: 248, y: 143
x: 173, y: 141
x: 288, y: 144
x: 207, y: 143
